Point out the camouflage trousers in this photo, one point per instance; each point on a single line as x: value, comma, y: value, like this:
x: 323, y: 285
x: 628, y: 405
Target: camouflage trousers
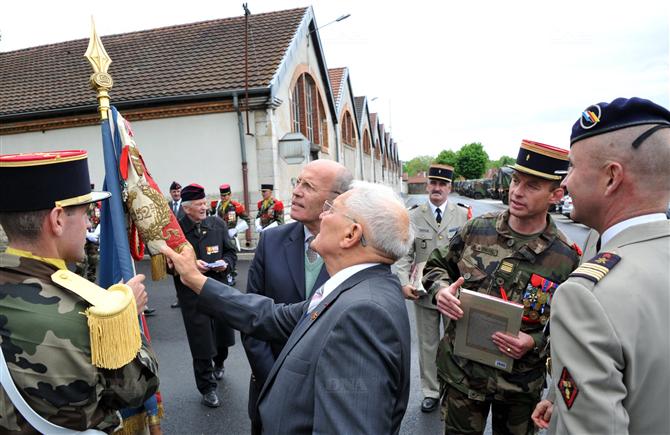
x: 511, y: 412
x: 89, y: 267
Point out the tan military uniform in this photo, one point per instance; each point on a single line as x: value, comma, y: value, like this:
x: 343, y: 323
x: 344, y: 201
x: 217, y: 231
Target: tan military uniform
x: 428, y: 236
x: 609, y: 332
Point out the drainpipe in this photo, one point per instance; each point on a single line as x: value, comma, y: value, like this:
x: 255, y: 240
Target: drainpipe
x: 245, y: 169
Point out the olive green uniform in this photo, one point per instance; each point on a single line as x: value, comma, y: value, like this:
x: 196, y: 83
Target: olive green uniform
x: 495, y: 260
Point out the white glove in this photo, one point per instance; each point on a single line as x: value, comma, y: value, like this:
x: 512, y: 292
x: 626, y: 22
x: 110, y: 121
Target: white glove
x: 232, y: 232
x: 257, y: 223
x: 94, y: 236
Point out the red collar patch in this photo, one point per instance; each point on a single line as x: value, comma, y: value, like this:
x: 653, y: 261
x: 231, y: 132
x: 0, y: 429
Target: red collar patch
x: 568, y: 387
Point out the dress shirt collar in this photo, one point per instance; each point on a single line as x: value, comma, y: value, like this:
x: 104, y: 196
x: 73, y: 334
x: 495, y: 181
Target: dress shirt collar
x: 612, y: 231
x: 442, y: 208
x: 342, y: 276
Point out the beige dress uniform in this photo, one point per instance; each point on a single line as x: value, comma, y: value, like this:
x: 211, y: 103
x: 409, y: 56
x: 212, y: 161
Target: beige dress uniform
x: 429, y: 235
x: 610, y: 340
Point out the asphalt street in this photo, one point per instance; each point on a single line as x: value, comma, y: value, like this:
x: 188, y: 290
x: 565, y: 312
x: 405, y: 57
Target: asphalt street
x: 184, y: 413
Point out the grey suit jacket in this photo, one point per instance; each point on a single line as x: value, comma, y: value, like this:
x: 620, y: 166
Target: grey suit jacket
x: 611, y: 338
x: 345, y: 366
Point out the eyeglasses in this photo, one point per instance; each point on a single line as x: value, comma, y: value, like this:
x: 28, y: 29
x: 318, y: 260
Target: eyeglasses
x: 309, y: 187
x: 329, y: 208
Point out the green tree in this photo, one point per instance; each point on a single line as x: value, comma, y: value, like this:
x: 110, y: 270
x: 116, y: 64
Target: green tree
x: 417, y: 164
x: 471, y: 160
x: 503, y: 161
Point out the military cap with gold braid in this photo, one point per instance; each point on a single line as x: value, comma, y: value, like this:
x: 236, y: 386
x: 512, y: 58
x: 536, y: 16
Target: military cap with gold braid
x: 544, y: 161
x: 42, y: 181
x: 440, y: 172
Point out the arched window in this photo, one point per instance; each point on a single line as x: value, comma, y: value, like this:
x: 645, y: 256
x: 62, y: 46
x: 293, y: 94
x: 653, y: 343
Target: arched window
x: 348, y: 135
x: 366, y: 142
x: 307, y: 114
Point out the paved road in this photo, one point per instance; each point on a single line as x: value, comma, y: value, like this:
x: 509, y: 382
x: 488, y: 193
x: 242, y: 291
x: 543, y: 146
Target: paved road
x: 184, y: 412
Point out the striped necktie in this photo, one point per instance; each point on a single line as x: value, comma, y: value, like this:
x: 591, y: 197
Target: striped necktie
x: 309, y: 252
x: 438, y: 215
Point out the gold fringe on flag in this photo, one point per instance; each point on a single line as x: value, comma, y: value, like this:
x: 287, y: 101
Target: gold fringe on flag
x: 158, y: 267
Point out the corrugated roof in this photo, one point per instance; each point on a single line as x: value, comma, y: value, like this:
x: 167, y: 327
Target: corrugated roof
x: 190, y: 60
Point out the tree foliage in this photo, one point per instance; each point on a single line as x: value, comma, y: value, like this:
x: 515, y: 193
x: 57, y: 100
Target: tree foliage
x: 471, y: 160
x: 503, y: 161
x: 417, y: 164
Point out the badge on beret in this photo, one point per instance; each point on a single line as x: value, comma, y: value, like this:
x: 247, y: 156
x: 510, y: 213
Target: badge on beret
x: 596, y: 268
x: 590, y: 117
x: 568, y: 388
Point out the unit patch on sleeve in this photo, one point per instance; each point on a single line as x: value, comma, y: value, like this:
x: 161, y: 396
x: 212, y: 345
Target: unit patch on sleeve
x: 567, y: 387
x: 596, y: 268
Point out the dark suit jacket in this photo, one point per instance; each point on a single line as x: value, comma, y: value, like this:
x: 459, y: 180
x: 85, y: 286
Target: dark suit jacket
x: 180, y: 211
x: 278, y: 272
x: 345, y: 366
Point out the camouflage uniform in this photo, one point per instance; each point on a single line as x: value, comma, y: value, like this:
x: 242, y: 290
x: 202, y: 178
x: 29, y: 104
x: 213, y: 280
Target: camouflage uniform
x: 45, y: 341
x: 88, y: 268
x: 270, y: 211
x: 490, y: 256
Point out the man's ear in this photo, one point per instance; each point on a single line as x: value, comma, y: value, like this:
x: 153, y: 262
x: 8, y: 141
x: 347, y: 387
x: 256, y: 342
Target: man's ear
x: 352, y: 236
x: 615, y: 174
x: 556, y: 195
x: 55, y: 221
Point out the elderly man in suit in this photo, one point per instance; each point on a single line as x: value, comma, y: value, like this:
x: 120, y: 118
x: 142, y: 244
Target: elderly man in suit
x: 284, y: 268
x: 435, y: 223
x: 609, y: 320
x: 345, y: 365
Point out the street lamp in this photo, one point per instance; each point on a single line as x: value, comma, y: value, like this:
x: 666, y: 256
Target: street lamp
x: 336, y: 20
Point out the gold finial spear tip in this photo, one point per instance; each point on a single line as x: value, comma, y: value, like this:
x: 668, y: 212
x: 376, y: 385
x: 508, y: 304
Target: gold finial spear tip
x: 100, y: 80
x: 95, y: 53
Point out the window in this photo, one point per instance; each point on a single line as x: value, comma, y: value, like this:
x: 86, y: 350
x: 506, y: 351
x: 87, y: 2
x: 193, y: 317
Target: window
x: 307, y: 113
x: 366, y: 142
x: 348, y: 137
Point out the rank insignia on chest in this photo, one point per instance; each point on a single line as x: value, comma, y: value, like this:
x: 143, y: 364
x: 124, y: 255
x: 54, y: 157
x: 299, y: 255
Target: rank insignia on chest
x: 537, y: 299
x: 507, y: 267
x: 568, y: 388
x: 596, y: 268
x: 212, y: 249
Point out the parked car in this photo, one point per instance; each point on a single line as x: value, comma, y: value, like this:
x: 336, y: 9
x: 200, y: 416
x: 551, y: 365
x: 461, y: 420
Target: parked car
x: 566, y: 206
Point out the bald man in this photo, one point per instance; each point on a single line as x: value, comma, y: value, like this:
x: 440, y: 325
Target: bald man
x: 609, y: 320
x: 284, y: 268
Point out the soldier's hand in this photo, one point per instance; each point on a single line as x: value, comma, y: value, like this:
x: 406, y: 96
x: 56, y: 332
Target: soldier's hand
x: 136, y: 284
x: 542, y: 414
x: 448, y: 303
x: 516, y: 347
x: 184, y: 264
x: 409, y: 291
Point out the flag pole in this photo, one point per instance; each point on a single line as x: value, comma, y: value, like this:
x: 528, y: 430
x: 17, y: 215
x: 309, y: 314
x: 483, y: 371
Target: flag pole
x: 134, y: 419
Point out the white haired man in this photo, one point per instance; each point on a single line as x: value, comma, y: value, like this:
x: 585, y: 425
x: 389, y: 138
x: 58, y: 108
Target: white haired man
x: 359, y: 312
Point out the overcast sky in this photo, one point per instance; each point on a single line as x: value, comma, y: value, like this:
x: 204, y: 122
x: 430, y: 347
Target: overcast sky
x: 445, y: 73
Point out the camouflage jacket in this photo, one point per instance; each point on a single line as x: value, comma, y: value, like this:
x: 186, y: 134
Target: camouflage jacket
x: 45, y: 341
x: 270, y: 211
x: 492, y: 258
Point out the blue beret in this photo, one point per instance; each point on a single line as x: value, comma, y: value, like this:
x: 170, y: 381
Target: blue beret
x: 621, y: 113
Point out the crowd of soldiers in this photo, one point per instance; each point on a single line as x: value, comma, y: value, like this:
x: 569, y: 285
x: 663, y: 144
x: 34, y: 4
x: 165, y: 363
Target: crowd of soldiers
x: 595, y: 321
